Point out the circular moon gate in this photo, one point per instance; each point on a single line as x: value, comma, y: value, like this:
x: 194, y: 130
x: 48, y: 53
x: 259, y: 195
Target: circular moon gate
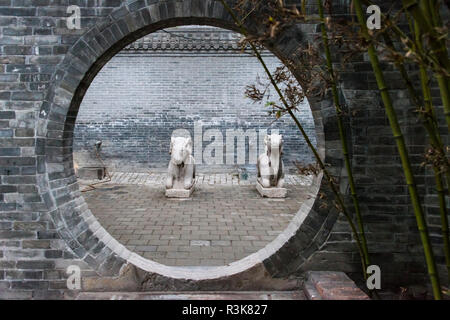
x: 76, y: 224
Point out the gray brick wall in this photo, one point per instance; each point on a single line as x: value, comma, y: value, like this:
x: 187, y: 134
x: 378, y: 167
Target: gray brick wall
x: 138, y: 99
x: 42, y: 217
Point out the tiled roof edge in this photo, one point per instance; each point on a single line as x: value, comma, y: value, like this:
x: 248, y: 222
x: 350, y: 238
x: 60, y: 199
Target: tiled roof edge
x: 188, y: 39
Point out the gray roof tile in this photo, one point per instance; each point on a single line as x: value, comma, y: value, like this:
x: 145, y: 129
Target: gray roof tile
x: 191, y: 38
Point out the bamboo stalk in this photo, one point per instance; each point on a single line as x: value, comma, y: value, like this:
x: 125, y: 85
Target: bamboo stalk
x: 438, y: 47
x: 436, y: 142
x: 342, y: 134
x: 430, y: 124
x: 396, y: 29
x: 428, y: 117
x: 426, y: 7
x: 328, y: 176
x: 431, y: 58
x: 426, y: 24
x: 444, y: 219
x: 403, y: 152
x: 434, y: 11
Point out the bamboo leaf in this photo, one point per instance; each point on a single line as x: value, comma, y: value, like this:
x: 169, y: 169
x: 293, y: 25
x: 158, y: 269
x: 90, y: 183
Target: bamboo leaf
x: 278, y: 114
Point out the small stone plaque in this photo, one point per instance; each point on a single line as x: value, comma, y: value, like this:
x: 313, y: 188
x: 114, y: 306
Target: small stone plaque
x: 272, y: 192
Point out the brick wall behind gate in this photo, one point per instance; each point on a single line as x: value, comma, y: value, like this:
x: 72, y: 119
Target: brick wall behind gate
x: 137, y: 101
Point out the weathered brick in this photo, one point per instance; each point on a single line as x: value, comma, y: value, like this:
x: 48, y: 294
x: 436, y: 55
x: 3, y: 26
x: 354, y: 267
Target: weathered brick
x: 6, y: 234
x: 110, y: 3
x: 25, y: 68
x: 17, y: 11
x: 53, y: 254
x: 29, y: 285
x: 25, y: 275
x: 17, y: 31
x: 7, y: 189
x: 10, y: 152
x: 6, y: 133
x: 35, y: 264
x: 36, y: 244
x: 27, y: 96
x: 30, y: 226
x: 8, y: 77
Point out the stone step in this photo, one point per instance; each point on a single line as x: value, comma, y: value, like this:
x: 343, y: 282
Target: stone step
x: 318, y: 285
x: 331, y: 285
x: 206, y: 295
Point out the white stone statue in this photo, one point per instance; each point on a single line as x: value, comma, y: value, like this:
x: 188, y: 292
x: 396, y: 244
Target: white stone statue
x: 270, y: 168
x: 181, y: 171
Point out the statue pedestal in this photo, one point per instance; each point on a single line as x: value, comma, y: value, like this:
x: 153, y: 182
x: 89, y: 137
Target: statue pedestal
x: 272, y: 192
x: 180, y: 193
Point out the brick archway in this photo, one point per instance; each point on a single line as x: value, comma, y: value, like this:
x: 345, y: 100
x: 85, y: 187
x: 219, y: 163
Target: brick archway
x: 69, y: 212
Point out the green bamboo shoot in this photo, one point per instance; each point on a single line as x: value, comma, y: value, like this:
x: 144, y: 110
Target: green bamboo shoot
x: 403, y: 152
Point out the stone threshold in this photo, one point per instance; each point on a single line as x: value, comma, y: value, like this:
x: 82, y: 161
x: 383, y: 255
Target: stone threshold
x: 318, y: 285
x: 206, y: 295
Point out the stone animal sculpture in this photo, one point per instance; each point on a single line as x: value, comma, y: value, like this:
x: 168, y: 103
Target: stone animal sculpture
x: 181, y: 170
x: 270, y: 166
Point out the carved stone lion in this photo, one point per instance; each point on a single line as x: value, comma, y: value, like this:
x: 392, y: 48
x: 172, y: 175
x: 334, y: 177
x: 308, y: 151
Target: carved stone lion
x: 270, y: 166
x: 181, y: 170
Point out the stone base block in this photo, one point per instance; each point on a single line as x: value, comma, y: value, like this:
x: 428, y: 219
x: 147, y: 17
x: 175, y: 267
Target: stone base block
x: 179, y: 193
x: 91, y: 173
x: 272, y: 192
x: 331, y: 285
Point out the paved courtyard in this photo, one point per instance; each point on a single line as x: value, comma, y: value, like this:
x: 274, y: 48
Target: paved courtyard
x: 224, y: 221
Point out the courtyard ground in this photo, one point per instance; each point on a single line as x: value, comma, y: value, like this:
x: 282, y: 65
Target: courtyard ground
x: 225, y: 220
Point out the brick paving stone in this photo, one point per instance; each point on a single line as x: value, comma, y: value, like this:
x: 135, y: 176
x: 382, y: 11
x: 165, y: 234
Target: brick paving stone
x: 221, y: 223
x: 200, y: 243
